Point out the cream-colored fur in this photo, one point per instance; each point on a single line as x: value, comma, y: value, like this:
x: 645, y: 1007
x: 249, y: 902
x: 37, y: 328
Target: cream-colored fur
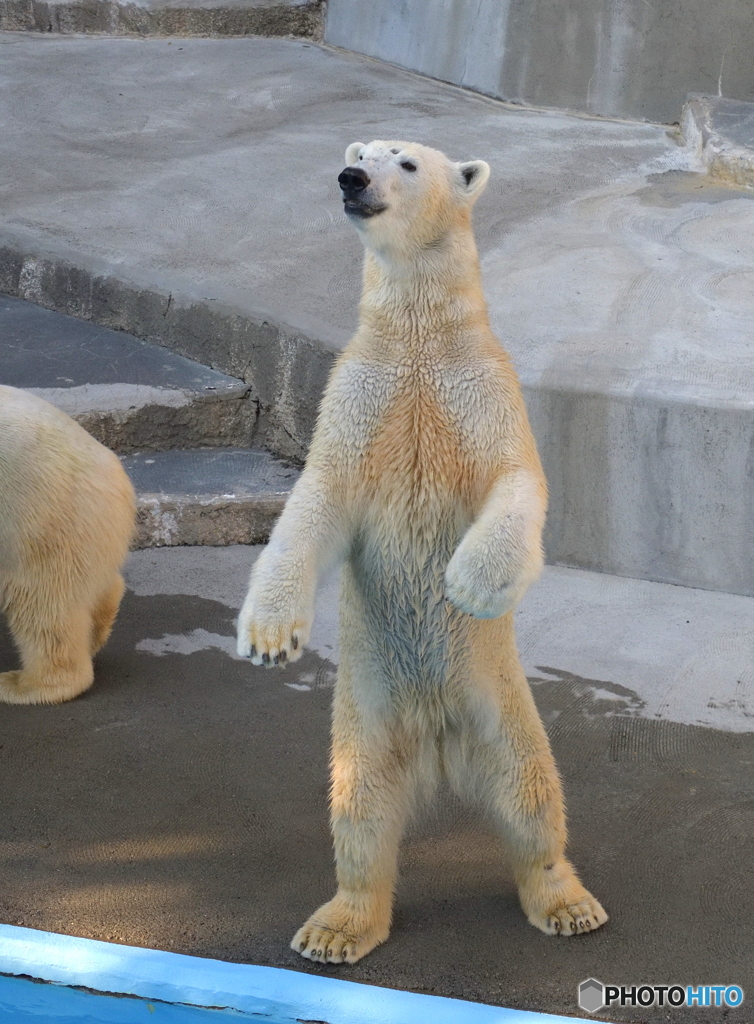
x: 66, y: 520
x: 423, y: 477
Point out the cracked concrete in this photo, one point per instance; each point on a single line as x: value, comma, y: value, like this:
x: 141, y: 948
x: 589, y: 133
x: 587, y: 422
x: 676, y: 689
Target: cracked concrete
x: 720, y: 132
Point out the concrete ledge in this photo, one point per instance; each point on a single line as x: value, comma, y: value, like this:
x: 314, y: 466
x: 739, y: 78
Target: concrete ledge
x: 207, y: 496
x: 648, y: 486
x: 649, y: 509
x: 303, y: 18
x: 619, y: 281
x: 286, y: 369
x: 167, y: 520
x: 656, y: 515
x: 720, y: 134
x: 128, y: 418
x: 128, y: 394
x: 269, y: 992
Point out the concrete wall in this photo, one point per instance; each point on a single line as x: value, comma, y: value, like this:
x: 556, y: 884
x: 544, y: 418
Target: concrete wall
x: 650, y: 488
x: 619, y: 58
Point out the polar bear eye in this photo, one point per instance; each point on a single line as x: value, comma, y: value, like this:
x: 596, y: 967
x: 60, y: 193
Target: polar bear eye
x: 408, y: 165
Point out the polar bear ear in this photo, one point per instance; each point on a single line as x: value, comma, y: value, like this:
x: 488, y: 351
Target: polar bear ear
x: 352, y: 153
x: 473, y: 177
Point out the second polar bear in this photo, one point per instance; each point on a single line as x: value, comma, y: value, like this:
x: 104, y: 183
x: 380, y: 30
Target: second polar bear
x: 66, y: 519
x: 423, y: 478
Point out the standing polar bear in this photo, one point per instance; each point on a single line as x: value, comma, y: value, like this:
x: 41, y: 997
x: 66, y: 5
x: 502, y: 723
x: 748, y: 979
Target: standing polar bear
x: 66, y: 520
x: 423, y: 478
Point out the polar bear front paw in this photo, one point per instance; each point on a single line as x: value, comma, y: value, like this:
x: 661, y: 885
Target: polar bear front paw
x: 271, y: 642
x: 466, y: 588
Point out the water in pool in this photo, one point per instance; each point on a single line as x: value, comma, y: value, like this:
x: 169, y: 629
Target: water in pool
x: 30, y: 1002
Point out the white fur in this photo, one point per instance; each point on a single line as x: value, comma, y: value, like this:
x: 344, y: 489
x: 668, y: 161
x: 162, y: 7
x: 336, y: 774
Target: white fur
x: 422, y: 476
x: 66, y: 519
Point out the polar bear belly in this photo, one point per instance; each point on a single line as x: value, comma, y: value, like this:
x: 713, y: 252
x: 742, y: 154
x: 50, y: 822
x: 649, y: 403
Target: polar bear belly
x: 398, y: 596
x: 419, y: 488
x: 395, y: 577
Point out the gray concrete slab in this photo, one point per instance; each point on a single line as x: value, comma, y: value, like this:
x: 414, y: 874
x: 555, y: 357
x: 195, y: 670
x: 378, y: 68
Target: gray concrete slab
x: 195, y: 203
x: 623, y: 58
x: 207, y: 495
x: 182, y: 803
x: 166, y: 17
x: 130, y: 395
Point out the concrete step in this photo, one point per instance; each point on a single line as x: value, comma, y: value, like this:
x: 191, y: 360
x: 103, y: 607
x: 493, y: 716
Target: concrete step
x: 630, y: 59
x: 129, y: 394
x: 166, y: 17
x: 207, y: 495
x: 720, y: 131
x: 617, y: 275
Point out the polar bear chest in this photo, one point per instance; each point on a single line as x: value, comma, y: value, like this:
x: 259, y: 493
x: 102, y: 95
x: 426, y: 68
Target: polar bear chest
x: 418, y: 446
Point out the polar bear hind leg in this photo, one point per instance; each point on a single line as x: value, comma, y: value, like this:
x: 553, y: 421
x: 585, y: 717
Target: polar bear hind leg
x: 105, y: 612
x: 502, y: 760
x: 55, y: 648
x: 376, y: 769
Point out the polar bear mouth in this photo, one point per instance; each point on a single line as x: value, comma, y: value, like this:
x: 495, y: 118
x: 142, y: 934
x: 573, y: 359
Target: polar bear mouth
x: 361, y: 210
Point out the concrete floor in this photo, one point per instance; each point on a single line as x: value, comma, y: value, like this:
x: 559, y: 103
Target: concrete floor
x: 209, y: 167
x: 182, y: 802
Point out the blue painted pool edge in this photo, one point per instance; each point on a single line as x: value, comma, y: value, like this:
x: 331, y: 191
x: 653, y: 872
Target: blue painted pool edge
x: 177, y: 978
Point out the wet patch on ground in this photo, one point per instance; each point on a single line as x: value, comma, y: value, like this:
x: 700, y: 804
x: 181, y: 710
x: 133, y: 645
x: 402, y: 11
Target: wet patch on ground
x: 674, y: 188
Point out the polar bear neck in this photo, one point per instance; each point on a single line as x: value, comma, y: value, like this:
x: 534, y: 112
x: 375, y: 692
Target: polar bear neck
x: 422, y: 298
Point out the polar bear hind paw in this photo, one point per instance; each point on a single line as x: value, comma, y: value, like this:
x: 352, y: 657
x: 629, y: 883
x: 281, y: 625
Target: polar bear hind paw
x: 331, y: 937
x: 572, y: 918
x: 17, y: 688
x: 555, y: 901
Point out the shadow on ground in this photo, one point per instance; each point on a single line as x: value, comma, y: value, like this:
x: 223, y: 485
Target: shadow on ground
x: 182, y: 804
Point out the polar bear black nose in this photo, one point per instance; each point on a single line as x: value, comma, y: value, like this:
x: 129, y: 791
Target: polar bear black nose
x: 353, y: 180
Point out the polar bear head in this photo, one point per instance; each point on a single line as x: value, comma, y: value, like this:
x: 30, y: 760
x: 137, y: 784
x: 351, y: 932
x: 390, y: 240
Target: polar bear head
x: 404, y: 197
